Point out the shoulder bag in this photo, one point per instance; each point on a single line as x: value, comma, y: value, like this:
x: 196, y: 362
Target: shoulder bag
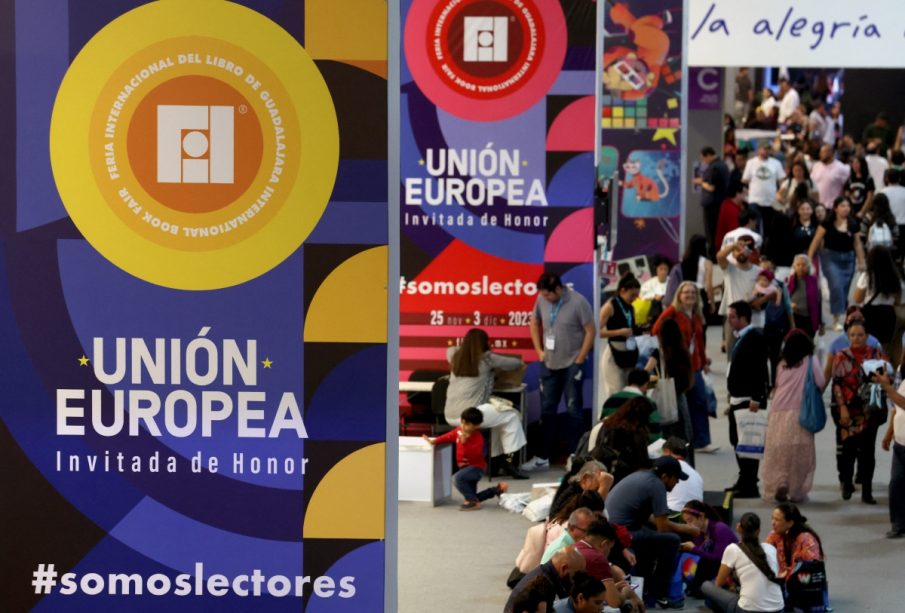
x: 813, y: 412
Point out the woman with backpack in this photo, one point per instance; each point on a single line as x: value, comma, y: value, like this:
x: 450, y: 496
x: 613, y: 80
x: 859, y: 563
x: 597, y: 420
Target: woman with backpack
x: 857, y: 418
x: 756, y: 566
x: 878, y: 225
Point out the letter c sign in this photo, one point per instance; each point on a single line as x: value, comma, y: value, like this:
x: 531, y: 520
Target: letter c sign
x: 708, y: 79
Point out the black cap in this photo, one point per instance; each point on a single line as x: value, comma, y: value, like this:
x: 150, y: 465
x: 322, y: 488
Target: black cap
x: 668, y: 465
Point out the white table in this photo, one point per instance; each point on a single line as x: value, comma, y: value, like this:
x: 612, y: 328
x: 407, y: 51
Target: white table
x: 425, y: 470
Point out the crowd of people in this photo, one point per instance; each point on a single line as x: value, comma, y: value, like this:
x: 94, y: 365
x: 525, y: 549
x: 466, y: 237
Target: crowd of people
x: 804, y: 236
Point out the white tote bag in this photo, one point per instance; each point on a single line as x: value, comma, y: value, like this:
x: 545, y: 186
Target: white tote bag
x: 664, y: 396
x: 752, y: 433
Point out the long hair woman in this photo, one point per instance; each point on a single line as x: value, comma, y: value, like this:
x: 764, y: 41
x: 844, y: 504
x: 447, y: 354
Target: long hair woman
x: 687, y: 312
x: 756, y: 565
x: 472, y: 367
x: 794, y: 539
x: 626, y: 433
x: 673, y: 360
x: 790, y: 458
x: 839, y: 244
x: 879, y: 290
x: 878, y: 225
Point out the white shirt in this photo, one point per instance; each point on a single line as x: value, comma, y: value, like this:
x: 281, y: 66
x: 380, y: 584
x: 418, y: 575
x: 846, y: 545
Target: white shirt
x: 830, y: 179
x: 690, y: 489
x: 818, y: 125
x: 652, y: 287
x: 758, y: 593
x: 881, y: 299
x: 768, y: 105
x: 762, y: 177
x: 737, y: 284
x: 896, y: 195
x: 876, y: 166
x: 789, y: 104
x: 898, y: 422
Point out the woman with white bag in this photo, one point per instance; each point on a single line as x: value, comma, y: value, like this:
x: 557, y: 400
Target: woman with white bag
x: 687, y: 312
x: 673, y: 362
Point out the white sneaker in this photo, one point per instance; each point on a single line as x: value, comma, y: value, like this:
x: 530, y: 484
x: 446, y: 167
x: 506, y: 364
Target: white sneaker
x: 535, y: 463
x: 708, y: 449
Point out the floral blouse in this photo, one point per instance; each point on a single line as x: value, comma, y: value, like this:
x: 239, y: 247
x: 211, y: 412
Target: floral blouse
x: 848, y: 378
x: 805, y: 548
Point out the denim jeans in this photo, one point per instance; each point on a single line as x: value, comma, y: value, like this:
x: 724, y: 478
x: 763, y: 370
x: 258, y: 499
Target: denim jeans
x: 554, y: 384
x: 838, y: 268
x: 897, y: 487
x: 466, y: 481
x: 656, y: 553
x: 722, y: 600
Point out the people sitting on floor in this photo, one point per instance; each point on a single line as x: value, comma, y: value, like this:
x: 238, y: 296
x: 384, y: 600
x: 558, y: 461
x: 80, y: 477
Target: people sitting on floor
x: 470, y: 458
x: 637, y: 386
x: 574, y: 530
x: 626, y: 435
x: 596, y: 547
x: 587, y: 595
x: 689, y: 489
x: 558, y: 570
x: 795, y: 541
x: 755, y: 566
x: 631, y: 503
x: 539, y: 536
x: 589, y: 475
x: 709, y: 545
x: 536, y: 597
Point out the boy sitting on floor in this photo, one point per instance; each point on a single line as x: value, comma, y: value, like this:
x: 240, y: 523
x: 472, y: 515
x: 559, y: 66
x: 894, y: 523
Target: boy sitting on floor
x: 470, y: 458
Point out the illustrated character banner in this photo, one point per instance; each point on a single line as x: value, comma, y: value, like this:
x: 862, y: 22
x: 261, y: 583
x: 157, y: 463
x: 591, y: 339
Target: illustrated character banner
x: 193, y: 268
x: 497, y: 168
x: 640, y: 115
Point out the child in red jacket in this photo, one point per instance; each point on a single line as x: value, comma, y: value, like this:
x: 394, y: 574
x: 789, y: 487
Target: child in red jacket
x: 470, y: 458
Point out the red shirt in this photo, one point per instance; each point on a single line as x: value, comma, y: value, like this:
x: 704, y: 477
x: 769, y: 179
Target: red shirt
x: 596, y: 563
x: 692, y: 329
x: 727, y: 220
x: 469, y: 452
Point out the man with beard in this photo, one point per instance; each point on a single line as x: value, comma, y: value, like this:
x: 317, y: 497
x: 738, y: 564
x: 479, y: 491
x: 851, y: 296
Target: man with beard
x: 829, y: 175
x: 739, y: 275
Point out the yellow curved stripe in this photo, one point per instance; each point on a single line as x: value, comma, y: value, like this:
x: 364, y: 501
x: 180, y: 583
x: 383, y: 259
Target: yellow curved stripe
x: 347, y: 30
x: 350, y: 306
x: 349, y: 502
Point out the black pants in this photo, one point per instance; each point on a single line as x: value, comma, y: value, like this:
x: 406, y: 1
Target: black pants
x: 860, y: 447
x: 711, y: 219
x: 747, y: 467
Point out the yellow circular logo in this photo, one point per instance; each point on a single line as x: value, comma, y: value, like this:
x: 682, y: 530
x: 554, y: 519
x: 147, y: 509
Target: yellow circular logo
x: 203, y: 159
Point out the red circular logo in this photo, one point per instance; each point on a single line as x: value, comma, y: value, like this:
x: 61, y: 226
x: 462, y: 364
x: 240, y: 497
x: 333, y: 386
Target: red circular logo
x: 485, y: 60
x: 485, y: 49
